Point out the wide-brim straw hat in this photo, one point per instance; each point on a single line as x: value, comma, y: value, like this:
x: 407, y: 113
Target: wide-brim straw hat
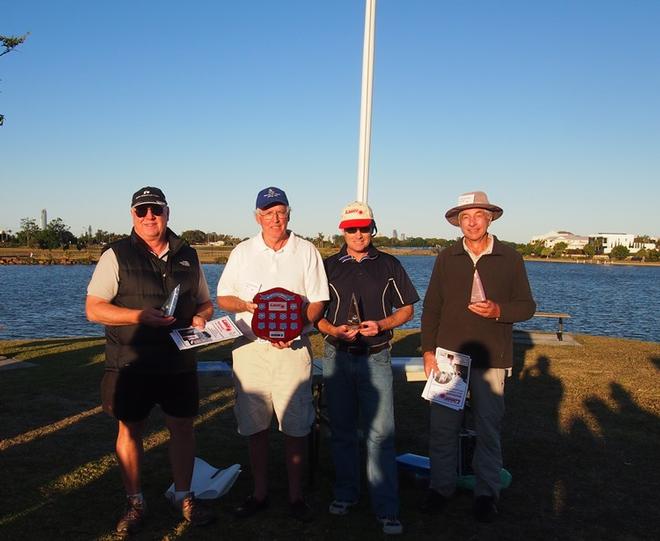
x: 472, y: 200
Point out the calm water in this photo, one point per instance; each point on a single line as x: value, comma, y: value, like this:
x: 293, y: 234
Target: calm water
x: 606, y: 300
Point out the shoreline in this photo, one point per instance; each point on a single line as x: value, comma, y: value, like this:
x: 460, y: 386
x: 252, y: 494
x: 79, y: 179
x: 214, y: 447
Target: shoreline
x: 520, y: 336
x: 215, y: 255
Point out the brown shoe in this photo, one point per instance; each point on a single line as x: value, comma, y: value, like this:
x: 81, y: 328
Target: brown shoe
x: 196, y: 512
x: 133, y: 518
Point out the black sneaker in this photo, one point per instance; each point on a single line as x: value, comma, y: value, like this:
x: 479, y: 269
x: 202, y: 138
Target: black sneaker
x: 133, y: 518
x: 433, y: 504
x: 251, y: 506
x: 484, y: 509
x: 301, y: 511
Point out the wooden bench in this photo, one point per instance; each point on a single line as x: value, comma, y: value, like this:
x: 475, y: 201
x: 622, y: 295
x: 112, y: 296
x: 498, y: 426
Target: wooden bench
x: 560, y: 316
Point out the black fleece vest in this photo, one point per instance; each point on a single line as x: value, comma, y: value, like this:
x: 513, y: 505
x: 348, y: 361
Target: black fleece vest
x: 146, y: 281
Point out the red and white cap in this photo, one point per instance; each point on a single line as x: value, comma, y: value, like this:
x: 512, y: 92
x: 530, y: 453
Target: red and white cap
x: 356, y: 214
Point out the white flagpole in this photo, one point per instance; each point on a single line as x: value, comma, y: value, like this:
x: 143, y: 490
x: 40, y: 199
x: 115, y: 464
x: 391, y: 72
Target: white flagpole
x: 365, y: 105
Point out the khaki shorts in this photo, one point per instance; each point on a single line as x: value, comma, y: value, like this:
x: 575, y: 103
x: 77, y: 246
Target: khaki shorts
x: 268, y: 379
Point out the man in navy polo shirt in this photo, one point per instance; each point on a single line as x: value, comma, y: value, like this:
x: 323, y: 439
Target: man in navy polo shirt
x: 370, y: 294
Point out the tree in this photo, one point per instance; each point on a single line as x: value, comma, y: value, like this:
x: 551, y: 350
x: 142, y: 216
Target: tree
x: 559, y: 248
x: 62, y: 232
x: 589, y: 250
x: 619, y: 252
x: 9, y: 43
x: 27, y: 236
x: 643, y: 239
x: 653, y: 255
x: 194, y: 236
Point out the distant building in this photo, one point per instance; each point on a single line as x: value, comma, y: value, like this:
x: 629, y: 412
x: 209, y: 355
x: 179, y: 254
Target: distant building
x: 604, y: 242
x: 573, y: 242
x: 403, y: 236
x: 395, y: 235
x: 44, y: 218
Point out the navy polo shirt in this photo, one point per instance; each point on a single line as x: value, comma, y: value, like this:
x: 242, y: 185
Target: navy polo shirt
x: 380, y: 285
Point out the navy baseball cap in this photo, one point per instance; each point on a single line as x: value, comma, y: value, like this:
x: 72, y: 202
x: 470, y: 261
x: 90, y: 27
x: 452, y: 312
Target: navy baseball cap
x: 148, y: 196
x: 271, y: 196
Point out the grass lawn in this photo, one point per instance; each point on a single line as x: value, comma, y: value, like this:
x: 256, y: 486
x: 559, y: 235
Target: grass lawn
x: 581, y: 439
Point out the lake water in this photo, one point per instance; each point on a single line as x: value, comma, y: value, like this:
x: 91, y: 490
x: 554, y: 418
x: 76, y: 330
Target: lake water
x: 606, y: 300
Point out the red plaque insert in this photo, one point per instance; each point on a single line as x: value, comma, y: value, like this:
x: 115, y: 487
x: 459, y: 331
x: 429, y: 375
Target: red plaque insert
x: 278, y: 315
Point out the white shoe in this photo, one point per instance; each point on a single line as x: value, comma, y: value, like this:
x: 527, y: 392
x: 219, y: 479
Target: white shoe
x: 391, y: 525
x: 340, y: 507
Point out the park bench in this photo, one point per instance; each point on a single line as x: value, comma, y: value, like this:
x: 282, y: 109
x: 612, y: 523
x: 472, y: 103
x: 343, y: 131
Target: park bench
x: 560, y: 316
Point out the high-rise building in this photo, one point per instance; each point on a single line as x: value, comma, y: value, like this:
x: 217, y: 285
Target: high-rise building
x: 44, y: 218
x: 395, y: 235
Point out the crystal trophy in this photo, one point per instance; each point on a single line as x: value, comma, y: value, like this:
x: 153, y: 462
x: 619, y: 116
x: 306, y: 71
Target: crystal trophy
x: 478, y: 294
x: 170, y: 304
x: 354, y: 319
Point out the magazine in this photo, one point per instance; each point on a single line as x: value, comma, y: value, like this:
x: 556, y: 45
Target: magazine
x: 448, y: 385
x: 208, y: 482
x: 216, y: 330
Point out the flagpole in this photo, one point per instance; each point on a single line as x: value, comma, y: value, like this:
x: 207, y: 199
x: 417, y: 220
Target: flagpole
x: 365, y: 104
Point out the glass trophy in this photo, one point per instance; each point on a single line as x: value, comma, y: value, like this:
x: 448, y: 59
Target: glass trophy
x: 170, y: 304
x: 478, y: 294
x: 354, y: 319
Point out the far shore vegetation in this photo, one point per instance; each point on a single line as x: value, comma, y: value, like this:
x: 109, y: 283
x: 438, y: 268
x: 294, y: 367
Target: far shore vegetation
x: 55, y: 244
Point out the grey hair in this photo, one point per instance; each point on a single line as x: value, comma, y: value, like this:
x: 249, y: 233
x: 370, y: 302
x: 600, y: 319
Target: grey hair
x: 257, y: 212
x: 485, y: 211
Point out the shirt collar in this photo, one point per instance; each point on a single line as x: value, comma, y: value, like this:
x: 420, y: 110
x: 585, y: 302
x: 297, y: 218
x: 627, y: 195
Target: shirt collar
x: 345, y: 257
x: 487, y: 251
x: 265, y: 248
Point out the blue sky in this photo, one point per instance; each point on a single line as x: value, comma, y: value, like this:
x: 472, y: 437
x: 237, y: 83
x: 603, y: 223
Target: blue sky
x: 553, y: 108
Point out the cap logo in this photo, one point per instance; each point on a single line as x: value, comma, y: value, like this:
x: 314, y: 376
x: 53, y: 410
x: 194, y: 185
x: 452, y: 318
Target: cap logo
x: 465, y: 199
x: 272, y: 193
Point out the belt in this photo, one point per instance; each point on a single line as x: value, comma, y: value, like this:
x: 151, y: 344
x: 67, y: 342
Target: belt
x: 358, y: 350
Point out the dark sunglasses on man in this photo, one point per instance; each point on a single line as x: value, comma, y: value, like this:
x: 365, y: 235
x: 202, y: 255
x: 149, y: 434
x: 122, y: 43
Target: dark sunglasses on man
x: 353, y: 230
x: 142, y: 210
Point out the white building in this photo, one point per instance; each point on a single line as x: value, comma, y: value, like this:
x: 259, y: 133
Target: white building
x: 573, y: 242
x: 607, y: 241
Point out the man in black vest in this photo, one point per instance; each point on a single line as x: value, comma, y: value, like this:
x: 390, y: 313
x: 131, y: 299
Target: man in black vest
x: 131, y: 282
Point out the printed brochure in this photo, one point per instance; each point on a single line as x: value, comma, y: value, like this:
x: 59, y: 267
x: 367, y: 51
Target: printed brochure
x: 216, y: 330
x: 448, y: 384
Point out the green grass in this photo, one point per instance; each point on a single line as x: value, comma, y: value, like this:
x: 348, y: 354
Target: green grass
x: 581, y: 439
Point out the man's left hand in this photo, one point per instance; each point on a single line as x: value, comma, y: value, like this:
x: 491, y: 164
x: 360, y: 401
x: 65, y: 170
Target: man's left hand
x: 487, y: 309
x: 198, y: 322
x: 369, y: 328
x: 282, y: 345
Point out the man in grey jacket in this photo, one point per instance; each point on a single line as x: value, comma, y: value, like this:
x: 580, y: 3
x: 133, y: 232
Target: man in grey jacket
x: 477, y: 290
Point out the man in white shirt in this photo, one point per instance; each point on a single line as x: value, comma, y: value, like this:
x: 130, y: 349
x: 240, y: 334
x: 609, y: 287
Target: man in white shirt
x: 273, y: 376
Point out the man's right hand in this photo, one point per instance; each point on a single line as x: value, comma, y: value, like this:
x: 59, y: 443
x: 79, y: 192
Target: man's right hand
x: 345, y: 333
x: 153, y: 317
x: 430, y: 363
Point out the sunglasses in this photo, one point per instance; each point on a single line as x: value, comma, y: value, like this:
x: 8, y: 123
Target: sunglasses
x: 142, y: 210
x: 353, y: 230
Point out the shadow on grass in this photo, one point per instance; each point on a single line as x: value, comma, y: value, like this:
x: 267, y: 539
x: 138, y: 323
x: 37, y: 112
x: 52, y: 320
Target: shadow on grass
x: 655, y: 361
x: 579, y: 438
x: 68, y: 483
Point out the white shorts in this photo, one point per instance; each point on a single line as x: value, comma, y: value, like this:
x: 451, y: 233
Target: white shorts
x: 268, y: 379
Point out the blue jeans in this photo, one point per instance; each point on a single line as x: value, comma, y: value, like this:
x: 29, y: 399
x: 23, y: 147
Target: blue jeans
x: 358, y: 391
